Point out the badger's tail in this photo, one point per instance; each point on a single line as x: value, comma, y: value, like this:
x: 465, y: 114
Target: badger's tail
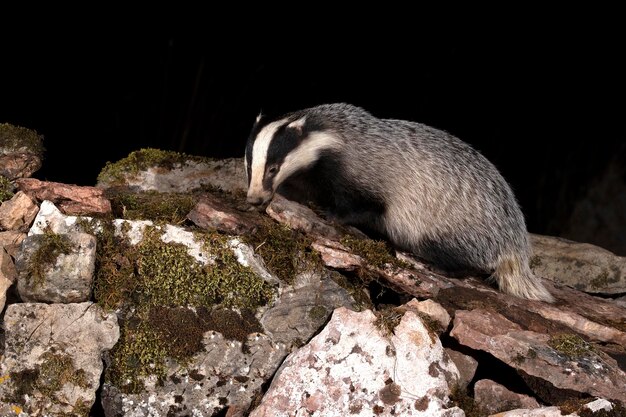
x: 514, y: 277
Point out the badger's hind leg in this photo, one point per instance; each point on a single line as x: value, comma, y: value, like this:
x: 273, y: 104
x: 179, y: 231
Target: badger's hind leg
x: 513, y: 276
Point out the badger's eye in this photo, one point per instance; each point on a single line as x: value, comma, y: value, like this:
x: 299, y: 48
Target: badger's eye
x: 273, y: 169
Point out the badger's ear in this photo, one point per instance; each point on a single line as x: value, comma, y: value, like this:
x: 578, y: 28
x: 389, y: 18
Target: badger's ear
x: 258, y: 118
x: 298, y: 125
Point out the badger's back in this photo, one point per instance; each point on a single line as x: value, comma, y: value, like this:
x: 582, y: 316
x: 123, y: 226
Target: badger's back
x: 442, y: 199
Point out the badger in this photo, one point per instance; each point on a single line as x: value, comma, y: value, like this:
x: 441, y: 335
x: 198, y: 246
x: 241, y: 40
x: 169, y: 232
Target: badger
x: 426, y: 191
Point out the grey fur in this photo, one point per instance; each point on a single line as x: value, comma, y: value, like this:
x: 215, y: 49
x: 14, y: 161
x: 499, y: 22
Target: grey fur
x: 438, y: 197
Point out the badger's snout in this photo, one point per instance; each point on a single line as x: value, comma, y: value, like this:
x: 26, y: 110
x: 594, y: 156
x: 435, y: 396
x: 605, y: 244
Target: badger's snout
x: 259, y: 201
x: 256, y: 201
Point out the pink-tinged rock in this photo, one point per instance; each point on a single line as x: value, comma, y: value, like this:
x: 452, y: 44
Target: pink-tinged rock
x: 299, y: 217
x: 8, y: 275
x: 18, y: 212
x: 594, y: 373
x: 212, y: 215
x: 19, y: 165
x: 494, y: 398
x: 11, y: 240
x: 352, y: 368
x: 465, y: 364
x: 70, y: 199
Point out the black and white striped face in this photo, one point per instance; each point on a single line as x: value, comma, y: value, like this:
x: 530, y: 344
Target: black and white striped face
x: 278, y: 149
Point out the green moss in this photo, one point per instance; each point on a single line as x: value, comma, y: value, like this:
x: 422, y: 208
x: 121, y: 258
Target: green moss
x: 284, y: 251
x: 318, y: 313
x: 51, y: 245
x: 374, y: 252
x: 387, y: 319
x: 139, y: 352
x: 159, y: 207
x: 571, y: 345
x: 16, y: 138
x: 535, y: 261
x: 55, y: 371
x: 116, y: 173
x: 601, y: 281
x: 459, y: 398
x: 6, y: 189
x: 153, y: 283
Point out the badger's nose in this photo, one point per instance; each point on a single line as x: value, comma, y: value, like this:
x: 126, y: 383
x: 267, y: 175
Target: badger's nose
x: 255, y: 201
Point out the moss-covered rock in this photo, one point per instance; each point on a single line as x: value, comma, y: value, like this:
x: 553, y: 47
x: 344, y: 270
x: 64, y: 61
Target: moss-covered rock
x: 6, y: 189
x: 20, y: 139
x: 116, y: 172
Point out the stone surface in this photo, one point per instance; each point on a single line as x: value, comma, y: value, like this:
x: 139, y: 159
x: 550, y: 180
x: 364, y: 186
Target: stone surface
x: 465, y: 364
x: 223, y: 374
x: 299, y: 217
x: 494, y: 398
x: 19, y: 164
x: 225, y: 174
x: 8, y: 275
x: 599, y: 404
x: 353, y: 368
x: 537, y: 412
x: 50, y: 217
x: 68, y: 280
x: 70, y: 199
x: 211, y: 214
x: 582, y: 266
x: 11, y: 240
x: 304, y: 307
x: 18, y: 212
x: 431, y: 309
x: 52, y: 362
x: 592, y: 372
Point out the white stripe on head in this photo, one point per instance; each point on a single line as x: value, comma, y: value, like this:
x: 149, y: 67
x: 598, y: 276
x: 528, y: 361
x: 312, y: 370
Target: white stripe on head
x: 306, y: 154
x: 259, y: 156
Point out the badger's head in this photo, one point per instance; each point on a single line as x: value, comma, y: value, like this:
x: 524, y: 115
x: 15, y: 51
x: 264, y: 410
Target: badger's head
x: 278, y: 149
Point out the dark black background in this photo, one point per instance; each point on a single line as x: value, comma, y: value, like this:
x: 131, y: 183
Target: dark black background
x: 544, y: 102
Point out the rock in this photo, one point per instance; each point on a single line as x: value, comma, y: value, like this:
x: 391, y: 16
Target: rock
x: 582, y: 266
x: 432, y: 310
x: 11, y: 240
x: 8, y: 275
x: 56, y: 268
x: 537, y: 412
x: 621, y: 301
x: 53, y: 356
x: 352, y: 368
x: 587, y: 371
x: 71, y: 199
x: 494, y: 398
x: 18, y: 212
x: 299, y: 217
x: 50, y: 218
x: 211, y: 214
x: 21, y: 151
x: 304, y: 307
x: 465, y: 364
x: 226, y: 373
x: 599, y: 404
x: 171, y: 172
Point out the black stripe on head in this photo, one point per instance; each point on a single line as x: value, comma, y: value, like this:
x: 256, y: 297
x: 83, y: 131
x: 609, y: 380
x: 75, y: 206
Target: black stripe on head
x: 285, y: 140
